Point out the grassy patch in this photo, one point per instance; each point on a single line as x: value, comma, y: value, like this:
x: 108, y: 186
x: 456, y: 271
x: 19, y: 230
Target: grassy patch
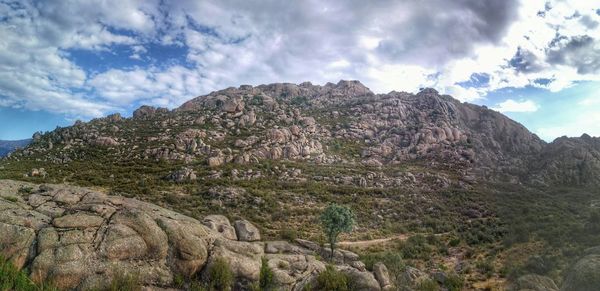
x: 16, y: 280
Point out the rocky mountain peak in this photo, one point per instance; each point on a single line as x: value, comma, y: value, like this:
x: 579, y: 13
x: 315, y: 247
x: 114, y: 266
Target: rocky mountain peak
x: 343, y: 123
x: 351, y: 88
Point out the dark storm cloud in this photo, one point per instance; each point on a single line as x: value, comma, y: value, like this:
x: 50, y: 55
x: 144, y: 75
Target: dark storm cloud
x: 581, y: 52
x: 525, y: 61
x: 437, y: 31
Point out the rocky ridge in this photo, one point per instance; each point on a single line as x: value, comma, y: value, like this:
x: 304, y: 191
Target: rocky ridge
x: 335, y: 124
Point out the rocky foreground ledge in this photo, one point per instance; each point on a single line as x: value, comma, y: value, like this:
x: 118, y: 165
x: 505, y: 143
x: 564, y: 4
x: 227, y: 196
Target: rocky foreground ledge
x: 81, y: 239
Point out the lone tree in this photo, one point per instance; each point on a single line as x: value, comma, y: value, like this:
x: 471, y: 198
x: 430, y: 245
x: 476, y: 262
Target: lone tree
x: 335, y: 220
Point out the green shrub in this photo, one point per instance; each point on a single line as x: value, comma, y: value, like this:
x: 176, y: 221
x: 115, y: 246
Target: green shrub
x: 486, y: 267
x: 593, y: 223
x: 256, y: 100
x: 307, y: 287
x: 455, y: 241
x: 541, y: 264
x: 299, y: 101
x: 126, y: 282
x: 512, y: 271
x: 197, y: 286
x: 416, y: 247
x: 454, y: 282
x: 220, y: 276
x: 266, y: 276
x: 13, y: 279
x: 11, y: 198
x: 332, y: 280
x: 25, y: 190
x: 428, y: 285
x: 179, y: 281
x: 288, y: 234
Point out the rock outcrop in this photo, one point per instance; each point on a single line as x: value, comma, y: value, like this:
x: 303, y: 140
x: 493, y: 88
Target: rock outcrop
x: 570, y: 161
x: 534, y: 283
x: 82, y: 239
x: 246, y: 231
x: 584, y: 275
x: 182, y: 175
x: 383, y: 277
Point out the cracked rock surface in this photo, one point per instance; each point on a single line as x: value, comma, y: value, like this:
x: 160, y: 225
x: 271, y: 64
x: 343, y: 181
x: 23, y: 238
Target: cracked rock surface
x: 80, y: 239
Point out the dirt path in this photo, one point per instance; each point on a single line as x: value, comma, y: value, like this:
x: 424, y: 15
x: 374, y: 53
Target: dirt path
x: 367, y: 243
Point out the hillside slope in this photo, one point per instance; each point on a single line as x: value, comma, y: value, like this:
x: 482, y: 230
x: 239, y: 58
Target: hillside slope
x: 467, y: 185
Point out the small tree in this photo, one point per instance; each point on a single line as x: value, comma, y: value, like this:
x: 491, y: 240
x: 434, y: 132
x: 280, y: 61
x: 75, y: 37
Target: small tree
x: 220, y: 276
x: 266, y: 276
x: 335, y: 220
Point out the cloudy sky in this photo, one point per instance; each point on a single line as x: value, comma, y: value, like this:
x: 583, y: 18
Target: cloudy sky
x: 536, y: 61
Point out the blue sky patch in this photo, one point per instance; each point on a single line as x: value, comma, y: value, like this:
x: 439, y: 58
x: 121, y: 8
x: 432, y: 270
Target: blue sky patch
x: 476, y: 80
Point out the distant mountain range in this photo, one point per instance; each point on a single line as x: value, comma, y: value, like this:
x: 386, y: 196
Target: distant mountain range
x: 7, y: 146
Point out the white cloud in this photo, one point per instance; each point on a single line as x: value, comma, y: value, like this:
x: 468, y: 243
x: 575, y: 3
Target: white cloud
x: 386, y: 78
x: 35, y: 71
x: 463, y: 94
x: 392, y: 45
x: 167, y: 88
x: 137, y: 51
x: 511, y: 105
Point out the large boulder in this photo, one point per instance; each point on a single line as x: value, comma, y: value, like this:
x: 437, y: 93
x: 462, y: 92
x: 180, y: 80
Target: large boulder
x: 534, y: 283
x: 412, y: 277
x: 294, y: 271
x: 383, y: 276
x: 584, y: 276
x: 144, y: 112
x: 89, y: 237
x: 233, y: 105
x: 244, y: 258
x: 221, y: 224
x: 246, y: 231
x: 360, y: 280
x: 105, y: 141
x: 182, y: 175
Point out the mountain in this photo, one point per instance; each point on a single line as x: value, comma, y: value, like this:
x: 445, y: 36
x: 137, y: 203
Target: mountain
x: 343, y: 124
x: 7, y: 146
x: 433, y: 181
